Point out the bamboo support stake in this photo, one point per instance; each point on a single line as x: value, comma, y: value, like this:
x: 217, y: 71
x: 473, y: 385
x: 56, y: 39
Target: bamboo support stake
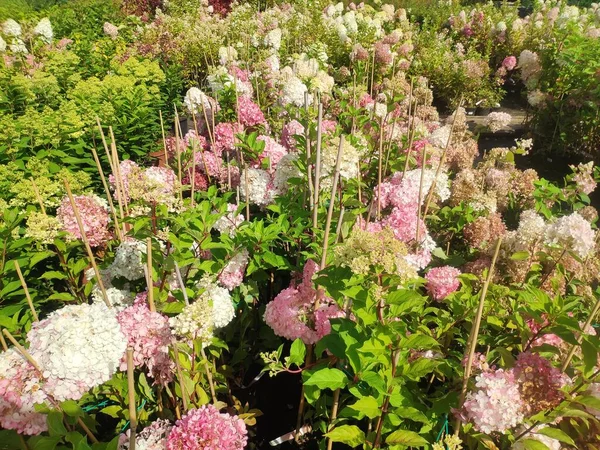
x: 317, y: 169
x: 336, y: 177
x: 3, y: 342
x: 338, y: 229
x: 201, y: 151
x: 162, y: 130
x: 38, y: 197
x: 411, y: 135
x: 380, y: 169
x: 108, y: 155
x: 475, y: 333
x: 149, y: 270
x: 421, y: 194
x: 442, y: 158
x: 209, y: 377
x: 24, y: 286
x: 86, y: 243
x: 117, y: 174
x: 580, y: 337
x: 210, y: 132
x: 311, y: 188
x: 178, y: 151
x: 108, y: 195
x: 180, y: 376
x: 131, y: 396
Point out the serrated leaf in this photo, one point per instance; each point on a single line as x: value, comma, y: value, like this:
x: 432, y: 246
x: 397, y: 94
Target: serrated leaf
x: 366, y: 406
x: 327, y: 379
x: 407, y: 438
x: 347, y: 434
x: 556, y: 433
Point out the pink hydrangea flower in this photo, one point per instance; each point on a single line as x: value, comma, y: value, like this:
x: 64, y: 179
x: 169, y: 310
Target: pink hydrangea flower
x: 20, y: 390
x: 233, y: 273
x: 149, y: 335
x: 206, y: 428
x: 509, y: 63
x: 249, y: 113
x: 442, y: 281
x: 291, y: 312
x: 94, y: 217
x: 224, y: 137
x: 290, y: 130
x: 273, y: 151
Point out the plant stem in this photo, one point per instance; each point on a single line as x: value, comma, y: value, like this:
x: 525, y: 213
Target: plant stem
x: 131, y: 395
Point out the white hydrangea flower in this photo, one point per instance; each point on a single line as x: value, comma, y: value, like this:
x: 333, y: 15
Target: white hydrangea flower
x: 223, y: 310
x: 77, y: 347
x: 44, y: 30
x: 350, y: 22
x: 260, y: 191
x: 229, y: 223
x: 196, y: 320
x: 129, y: 260
x: 286, y: 169
x: 342, y: 32
x: 116, y: 297
x: 11, y: 28
x: 18, y: 46
x: 227, y: 55
x: 439, y: 137
x: 323, y: 82
x: 2, y: 45
x: 193, y: 100
x: 273, y: 63
x: 532, y: 227
x: 273, y: 39
x: 572, y: 233
x: 293, y: 93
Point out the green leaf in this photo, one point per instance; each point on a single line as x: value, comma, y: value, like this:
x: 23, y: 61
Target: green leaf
x: 590, y: 356
x: 556, y: 433
x: 534, y: 444
x: 327, y: 379
x: 71, y: 408
x: 407, y: 438
x: 347, y: 434
x: 520, y: 256
x: 74, y: 438
x: 39, y: 256
x: 53, y: 274
x: 366, y: 406
x: 588, y: 400
x: 55, y: 424
x: 44, y: 442
x: 297, y: 352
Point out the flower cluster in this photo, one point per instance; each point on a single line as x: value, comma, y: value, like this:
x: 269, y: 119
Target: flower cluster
x: 206, y: 428
x: 232, y: 274
x: 153, y: 437
x: 77, y: 347
x: 93, y: 212
x: 149, y: 335
x: 442, y: 281
x: 295, y: 309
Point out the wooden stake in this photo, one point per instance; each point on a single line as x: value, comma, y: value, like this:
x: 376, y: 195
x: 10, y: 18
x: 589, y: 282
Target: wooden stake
x: 162, y: 130
x: 380, y: 169
x: 180, y: 376
x: 588, y: 323
x: 108, y: 155
x: 475, y: 334
x: 149, y: 270
x: 336, y: 177
x: 201, y: 151
x: 442, y: 158
x: 131, y: 395
x: 421, y: 193
x: 86, y: 243
x: 121, y: 198
x: 317, y: 169
x: 210, y: 133
x: 108, y: 195
x: 178, y: 151
x: 38, y: 196
x: 24, y: 286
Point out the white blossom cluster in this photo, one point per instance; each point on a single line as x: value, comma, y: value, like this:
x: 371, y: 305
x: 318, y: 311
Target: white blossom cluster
x: 260, y: 190
x: 439, y: 137
x: 153, y: 437
x: 227, y: 55
x: 229, y: 223
x: 129, y: 262
x: 196, y: 320
x: 572, y: 233
x: 193, y: 100
x: 77, y: 347
x: 350, y: 158
x: 273, y: 39
x: 116, y: 297
x: 11, y: 28
x: 293, y: 92
x: 497, y: 120
x: 2, y: 45
x: 286, y: 169
x: 44, y: 30
x: 223, y: 310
